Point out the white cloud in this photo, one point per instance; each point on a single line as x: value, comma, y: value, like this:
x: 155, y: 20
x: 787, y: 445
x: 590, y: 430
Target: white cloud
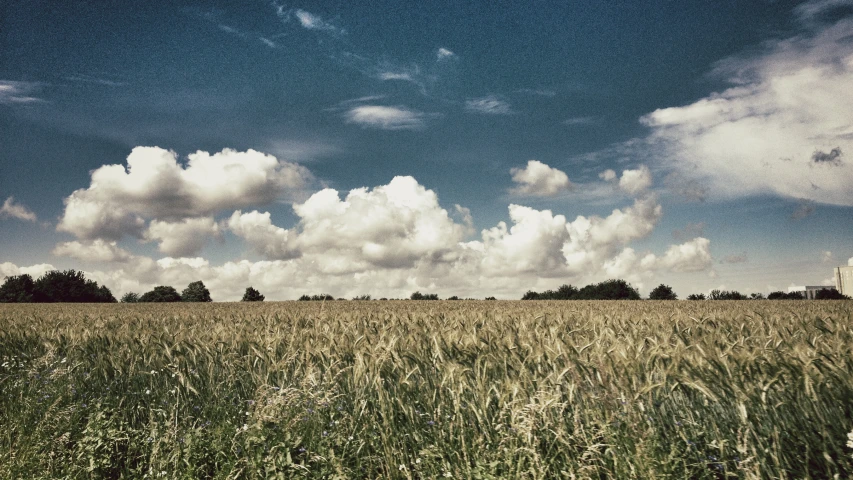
x: 538, y: 179
x: 850, y: 261
x: 314, y: 22
x: 386, y: 118
x: 155, y: 185
x: 12, y: 210
x: 826, y: 257
x: 533, y: 245
x: 182, y: 238
x: 812, y: 11
x: 444, y: 54
x: 8, y: 269
x: 607, y: 175
x: 391, y: 226
x: 635, y: 182
x: 595, y: 239
x: 783, y: 128
x: 18, y: 92
x: 490, y: 104
x: 258, y: 231
x: 691, y: 256
x: 579, y: 121
x: 96, y: 251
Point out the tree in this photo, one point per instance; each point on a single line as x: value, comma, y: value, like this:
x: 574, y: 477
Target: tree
x: 196, y: 292
x: 70, y: 286
x: 421, y: 296
x: 778, y: 295
x: 130, y: 297
x: 491, y: 298
x: 252, y: 295
x: 726, y: 295
x: 696, y: 296
x: 830, y: 294
x: 756, y: 296
x: 609, y: 290
x: 161, y: 294
x: 18, y: 289
x: 663, y: 292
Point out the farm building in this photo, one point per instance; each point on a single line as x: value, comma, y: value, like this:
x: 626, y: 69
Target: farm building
x: 844, y: 280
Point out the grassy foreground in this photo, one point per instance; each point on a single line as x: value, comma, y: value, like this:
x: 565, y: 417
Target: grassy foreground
x: 402, y: 389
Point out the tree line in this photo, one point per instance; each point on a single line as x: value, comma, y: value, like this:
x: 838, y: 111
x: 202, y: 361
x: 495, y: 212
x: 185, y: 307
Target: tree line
x: 72, y: 286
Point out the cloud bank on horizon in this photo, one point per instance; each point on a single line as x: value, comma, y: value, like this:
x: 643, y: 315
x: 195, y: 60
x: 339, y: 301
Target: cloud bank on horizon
x: 387, y: 240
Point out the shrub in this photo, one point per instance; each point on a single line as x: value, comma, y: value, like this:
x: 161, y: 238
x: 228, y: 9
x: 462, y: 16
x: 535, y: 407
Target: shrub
x: 196, y: 292
x: 161, y: 294
x: 662, y: 292
x: 696, y: 296
x: 252, y: 295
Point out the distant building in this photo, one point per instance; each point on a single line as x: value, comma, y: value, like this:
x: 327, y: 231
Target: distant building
x: 844, y: 280
x: 809, y: 291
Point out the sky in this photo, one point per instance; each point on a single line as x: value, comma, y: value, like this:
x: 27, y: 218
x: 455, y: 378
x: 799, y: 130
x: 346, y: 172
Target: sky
x: 461, y: 148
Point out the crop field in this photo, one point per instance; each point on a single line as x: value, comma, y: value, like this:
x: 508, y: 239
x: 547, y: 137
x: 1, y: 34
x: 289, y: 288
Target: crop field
x: 448, y: 389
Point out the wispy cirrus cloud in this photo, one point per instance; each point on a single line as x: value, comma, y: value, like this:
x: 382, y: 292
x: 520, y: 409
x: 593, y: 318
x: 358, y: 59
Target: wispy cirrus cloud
x: 312, y: 21
x: 82, y: 78
x: 10, y: 209
x: 444, y: 54
x: 12, y: 92
x: 489, y: 105
x: 387, y: 118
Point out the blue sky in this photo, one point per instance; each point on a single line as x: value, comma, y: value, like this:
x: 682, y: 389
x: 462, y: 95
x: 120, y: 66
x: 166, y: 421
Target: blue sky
x: 462, y: 148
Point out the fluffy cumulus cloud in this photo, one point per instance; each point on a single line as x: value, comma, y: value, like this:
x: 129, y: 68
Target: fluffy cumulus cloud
x: 182, y: 238
x: 782, y: 128
x: 10, y: 209
x: 95, y: 251
x: 636, y: 182
x: 386, y: 118
x: 154, y: 185
x: 391, y: 226
x: 538, y: 179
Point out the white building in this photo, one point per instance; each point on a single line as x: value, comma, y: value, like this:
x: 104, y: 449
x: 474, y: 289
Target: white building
x: 809, y: 291
x: 844, y: 280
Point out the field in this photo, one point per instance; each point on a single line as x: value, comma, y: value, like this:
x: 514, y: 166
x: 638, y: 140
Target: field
x: 403, y: 389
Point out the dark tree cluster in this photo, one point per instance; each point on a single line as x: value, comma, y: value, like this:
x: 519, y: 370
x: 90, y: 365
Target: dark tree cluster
x: 423, y: 296
x: 785, y: 296
x: 195, y: 292
x: 52, y: 287
x: 316, y: 298
x: 606, y: 290
x: 252, y: 295
x: 726, y: 295
x: 662, y: 292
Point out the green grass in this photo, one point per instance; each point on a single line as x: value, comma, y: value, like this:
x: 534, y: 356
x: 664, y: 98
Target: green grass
x: 401, y: 389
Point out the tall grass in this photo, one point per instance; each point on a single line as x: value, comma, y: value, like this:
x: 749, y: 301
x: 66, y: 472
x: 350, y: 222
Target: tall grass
x: 536, y: 389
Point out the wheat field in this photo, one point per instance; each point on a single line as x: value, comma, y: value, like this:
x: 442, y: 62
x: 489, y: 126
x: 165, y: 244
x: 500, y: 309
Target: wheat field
x: 448, y: 389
